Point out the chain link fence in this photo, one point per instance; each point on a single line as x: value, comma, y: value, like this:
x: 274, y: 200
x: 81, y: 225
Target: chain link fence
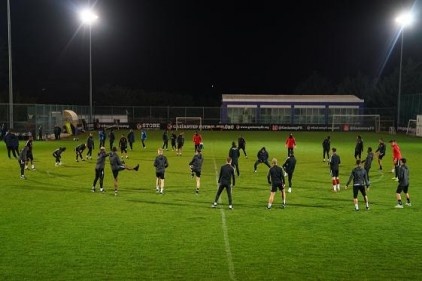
x: 31, y: 117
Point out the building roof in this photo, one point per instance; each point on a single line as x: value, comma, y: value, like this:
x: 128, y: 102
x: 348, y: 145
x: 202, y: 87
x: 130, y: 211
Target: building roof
x: 291, y: 98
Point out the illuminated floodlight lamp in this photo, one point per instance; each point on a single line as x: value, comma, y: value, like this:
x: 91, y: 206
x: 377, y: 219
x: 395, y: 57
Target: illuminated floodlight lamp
x: 405, y: 19
x: 88, y: 17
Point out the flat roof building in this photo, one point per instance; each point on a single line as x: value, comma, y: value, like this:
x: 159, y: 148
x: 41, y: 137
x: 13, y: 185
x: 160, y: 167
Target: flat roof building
x: 287, y: 109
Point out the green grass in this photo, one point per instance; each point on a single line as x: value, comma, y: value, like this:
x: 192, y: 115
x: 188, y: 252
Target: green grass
x: 53, y: 228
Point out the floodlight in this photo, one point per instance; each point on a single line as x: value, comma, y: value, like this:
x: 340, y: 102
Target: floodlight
x: 88, y: 17
x: 405, y: 19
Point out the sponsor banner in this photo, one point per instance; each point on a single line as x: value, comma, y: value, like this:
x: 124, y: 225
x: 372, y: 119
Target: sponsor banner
x: 223, y: 127
x: 254, y: 127
x: 338, y: 127
x: 276, y: 127
x: 291, y: 128
x: 110, y: 125
x: 148, y: 125
x: 322, y: 128
x: 240, y: 127
x: 361, y: 128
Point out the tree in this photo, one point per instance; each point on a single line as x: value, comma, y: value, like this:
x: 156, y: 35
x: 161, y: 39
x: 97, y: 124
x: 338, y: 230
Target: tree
x: 4, y: 72
x: 360, y: 86
x: 315, y: 84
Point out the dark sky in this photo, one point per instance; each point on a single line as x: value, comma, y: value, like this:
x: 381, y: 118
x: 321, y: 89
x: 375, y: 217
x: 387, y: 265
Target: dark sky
x: 182, y: 45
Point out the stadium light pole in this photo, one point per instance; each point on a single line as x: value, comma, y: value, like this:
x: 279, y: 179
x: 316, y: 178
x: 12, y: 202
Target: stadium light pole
x: 404, y: 20
x: 9, y: 32
x: 88, y: 17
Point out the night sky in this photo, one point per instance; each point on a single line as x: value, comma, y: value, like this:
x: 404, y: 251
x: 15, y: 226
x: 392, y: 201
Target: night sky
x: 193, y: 46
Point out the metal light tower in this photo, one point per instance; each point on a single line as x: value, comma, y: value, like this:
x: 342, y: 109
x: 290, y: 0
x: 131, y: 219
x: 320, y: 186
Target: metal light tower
x: 9, y: 30
x: 404, y: 20
x: 88, y: 18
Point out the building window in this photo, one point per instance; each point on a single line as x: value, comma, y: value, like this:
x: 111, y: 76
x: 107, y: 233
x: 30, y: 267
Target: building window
x: 241, y: 115
x: 276, y: 115
x: 309, y: 115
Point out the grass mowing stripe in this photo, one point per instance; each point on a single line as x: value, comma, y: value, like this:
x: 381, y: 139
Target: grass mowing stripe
x: 225, y: 232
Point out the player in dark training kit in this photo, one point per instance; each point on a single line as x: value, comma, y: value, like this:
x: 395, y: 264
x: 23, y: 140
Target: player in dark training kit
x: 334, y: 169
x: 234, y: 154
x: 196, y: 167
x: 380, y: 151
x: 403, y: 176
x: 326, y: 144
x: 360, y: 181
x: 99, y: 169
x: 57, y: 154
x: 226, y: 177
x: 117, y: 166
x: 289, y: 166
x: 79, y: 150
x: 275, y: 177
x: 241, y: 144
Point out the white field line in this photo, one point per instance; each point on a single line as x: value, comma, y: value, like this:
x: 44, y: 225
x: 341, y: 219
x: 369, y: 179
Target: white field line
x: 225, y: 233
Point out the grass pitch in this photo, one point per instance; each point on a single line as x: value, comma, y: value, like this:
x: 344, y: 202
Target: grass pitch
x: 52, y: 227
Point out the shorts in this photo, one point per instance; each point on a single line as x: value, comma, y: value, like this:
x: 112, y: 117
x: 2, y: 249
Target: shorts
x: 30, y: 156
x: 356, y: 189
x: 380, y: 156
x: 401, y: 189
x: 179, y: 146
x: 115, y: 174
x: 277, y: 186
x: 197, y: 174
x: 334, y: 173
x: 159, y: 175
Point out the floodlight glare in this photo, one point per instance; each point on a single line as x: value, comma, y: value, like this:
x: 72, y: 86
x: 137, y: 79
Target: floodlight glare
x: 88, y: 17
x: 405, y: 19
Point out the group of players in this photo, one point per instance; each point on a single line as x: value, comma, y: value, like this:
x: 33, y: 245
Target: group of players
x: 360, y: 175
x: 276, y: 174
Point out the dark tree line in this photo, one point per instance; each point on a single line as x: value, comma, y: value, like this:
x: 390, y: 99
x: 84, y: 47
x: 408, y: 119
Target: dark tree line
x: 381, y: 93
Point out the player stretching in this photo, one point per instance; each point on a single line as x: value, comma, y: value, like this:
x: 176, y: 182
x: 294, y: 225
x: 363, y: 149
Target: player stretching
x: 334, y: 168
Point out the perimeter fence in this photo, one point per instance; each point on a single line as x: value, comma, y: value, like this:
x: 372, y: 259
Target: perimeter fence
x: 30, y: 117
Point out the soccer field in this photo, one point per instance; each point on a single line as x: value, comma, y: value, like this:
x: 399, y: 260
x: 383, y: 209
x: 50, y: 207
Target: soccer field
x: 52, y: 227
